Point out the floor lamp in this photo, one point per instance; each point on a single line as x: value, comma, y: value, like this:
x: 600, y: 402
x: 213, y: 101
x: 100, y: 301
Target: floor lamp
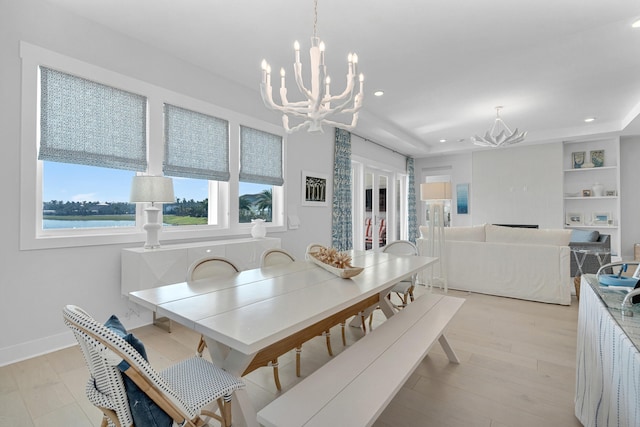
x: 435, y: 193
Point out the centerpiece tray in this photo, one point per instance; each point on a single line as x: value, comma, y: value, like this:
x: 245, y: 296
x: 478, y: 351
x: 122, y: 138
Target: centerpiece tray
x: 345, y: 272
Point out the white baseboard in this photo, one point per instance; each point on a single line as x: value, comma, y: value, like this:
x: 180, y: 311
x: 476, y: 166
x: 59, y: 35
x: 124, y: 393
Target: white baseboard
x: 27, y: 350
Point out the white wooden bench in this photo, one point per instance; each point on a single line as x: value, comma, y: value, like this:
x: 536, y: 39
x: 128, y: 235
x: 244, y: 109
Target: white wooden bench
x: 354, y: 388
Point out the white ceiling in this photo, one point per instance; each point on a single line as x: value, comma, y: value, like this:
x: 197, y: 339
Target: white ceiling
x: 443, y: 65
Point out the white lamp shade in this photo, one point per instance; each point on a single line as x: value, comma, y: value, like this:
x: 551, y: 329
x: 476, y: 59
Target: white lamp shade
x: 152, y: 189
x: 435, y: 191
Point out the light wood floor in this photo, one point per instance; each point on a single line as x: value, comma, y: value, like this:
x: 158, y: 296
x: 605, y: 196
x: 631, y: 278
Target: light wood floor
x: 517, y: 370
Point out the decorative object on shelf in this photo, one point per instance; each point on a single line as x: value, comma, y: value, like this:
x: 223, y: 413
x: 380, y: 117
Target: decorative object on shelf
x: 317, y: 109
x: 601, y: 218
x: 586, y: 193
x: 499, y: 134
x: 597, y: 158
x: 338, y: 263
x: 597, y: 190
x: 573, y: 218
x: 610, y: 193
x: 578, y: 159
x: 259, y: 230
x: 152, y: 189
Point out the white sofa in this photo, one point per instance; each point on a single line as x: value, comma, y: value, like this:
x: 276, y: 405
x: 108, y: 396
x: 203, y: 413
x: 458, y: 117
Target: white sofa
x: 524, y: 263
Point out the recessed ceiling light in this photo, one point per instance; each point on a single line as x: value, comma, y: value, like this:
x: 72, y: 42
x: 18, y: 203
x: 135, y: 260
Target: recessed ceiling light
x: 636, y: 24
x: 589, y: 119
x: 443, y: 140
x: 378, y: 93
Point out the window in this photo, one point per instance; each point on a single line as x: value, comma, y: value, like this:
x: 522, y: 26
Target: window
x: 88, y: 158
x: 260, y: 173
x: 83, y: 125
x: 196, y: 149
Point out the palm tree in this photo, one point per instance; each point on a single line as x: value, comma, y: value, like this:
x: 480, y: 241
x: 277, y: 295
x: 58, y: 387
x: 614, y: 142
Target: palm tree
x: 264, y: 203
x: 245, y: 208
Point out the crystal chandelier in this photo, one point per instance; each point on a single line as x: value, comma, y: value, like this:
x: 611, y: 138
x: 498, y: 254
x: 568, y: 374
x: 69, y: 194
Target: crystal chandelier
x: 499, y: 135
x: 320, y: 107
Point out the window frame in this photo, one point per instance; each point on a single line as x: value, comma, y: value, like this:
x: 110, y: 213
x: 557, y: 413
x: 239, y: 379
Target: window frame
x: 226, y: 193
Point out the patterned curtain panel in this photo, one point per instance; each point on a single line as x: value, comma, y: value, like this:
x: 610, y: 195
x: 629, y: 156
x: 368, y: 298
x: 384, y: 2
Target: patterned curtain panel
x: 341, y: 230
x: 411, y: 203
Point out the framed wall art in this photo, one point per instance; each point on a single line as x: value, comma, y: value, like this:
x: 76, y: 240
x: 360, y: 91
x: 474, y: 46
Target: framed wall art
x: 574, y: 218
x: 316, y: 190
x: 462, y: 199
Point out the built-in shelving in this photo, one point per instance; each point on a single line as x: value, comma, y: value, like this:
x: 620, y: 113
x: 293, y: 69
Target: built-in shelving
x: 583, y: 210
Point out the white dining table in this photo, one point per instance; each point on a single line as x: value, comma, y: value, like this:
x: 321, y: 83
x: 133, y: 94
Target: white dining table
x: 254, y: 316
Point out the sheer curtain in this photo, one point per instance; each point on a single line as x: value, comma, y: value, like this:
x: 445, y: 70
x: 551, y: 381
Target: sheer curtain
x: 341, y: 229
x: 411, y: 203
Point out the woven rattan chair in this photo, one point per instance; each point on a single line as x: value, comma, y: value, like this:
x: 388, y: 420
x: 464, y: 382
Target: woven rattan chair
x: 220, y: 267
x: 277, y: 256
x: 181, y: 391
x: 403, y: 289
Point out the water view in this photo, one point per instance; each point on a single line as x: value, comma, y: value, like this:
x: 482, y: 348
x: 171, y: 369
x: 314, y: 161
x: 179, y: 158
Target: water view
x: 52, y: 224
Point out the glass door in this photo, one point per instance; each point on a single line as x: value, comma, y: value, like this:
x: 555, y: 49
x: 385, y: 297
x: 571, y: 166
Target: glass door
x: 377, y: 208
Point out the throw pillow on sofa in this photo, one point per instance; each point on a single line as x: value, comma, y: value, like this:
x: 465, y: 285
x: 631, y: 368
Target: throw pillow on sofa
x: 584, y: 236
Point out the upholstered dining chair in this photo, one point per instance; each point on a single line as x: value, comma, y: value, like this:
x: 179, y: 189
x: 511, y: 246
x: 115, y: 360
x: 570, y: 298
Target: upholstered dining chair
x: 277, y: 256
x: 128, y: 391
x: 220, y: 267
x: 403, y: 289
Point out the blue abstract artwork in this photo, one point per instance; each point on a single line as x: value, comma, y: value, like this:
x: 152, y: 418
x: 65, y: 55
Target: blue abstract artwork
x: 462, y: 198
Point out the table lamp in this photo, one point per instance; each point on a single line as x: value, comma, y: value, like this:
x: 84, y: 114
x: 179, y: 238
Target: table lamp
x: 435, y: 193
x: 152, y: 189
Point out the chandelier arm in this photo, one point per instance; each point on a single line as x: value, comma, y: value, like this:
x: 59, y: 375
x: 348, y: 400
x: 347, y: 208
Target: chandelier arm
x: 297, y: 68
x: 344, y: 126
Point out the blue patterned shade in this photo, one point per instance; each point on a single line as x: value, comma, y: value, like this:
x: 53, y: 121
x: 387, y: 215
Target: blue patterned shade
x: 341, y: 226
x: 196, y: 145
x: 260, y: 157
x: 88, y: 123
x: 411, y: 202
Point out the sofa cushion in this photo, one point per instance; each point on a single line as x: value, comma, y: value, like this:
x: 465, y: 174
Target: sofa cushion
x: 555, y: 237
x: 463, y: 234
x: 583, y: 236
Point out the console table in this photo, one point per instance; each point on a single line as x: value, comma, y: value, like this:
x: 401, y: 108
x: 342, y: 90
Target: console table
x: 608, y: 358
x: 149, y: 268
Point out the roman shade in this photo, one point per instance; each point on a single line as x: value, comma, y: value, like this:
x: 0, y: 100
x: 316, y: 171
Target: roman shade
x: 196, y: 145
x: 88, y: 123
x: 260, y: 157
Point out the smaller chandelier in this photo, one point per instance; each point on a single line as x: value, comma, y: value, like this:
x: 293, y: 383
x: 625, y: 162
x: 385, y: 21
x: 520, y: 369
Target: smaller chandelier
x: 499, y: 135
x: 320, y: 107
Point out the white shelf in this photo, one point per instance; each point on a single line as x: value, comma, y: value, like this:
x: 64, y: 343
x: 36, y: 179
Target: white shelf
x: 576, y: 180
x: 592, y: 197
x: 601, y: 168
x: 600, y: 227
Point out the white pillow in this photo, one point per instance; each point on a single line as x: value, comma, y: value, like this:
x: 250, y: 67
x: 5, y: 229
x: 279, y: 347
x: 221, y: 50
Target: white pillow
x: 533, y: 236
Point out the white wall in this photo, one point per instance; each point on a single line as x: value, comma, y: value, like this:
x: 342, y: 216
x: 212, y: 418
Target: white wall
x: 459, y: 167
x: 36, y: 284
x: 518, y: 185
x: 515, y: 185
x: 630, y: 194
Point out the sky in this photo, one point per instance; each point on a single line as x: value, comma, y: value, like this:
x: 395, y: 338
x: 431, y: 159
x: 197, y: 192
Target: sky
x: 68, y: 182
